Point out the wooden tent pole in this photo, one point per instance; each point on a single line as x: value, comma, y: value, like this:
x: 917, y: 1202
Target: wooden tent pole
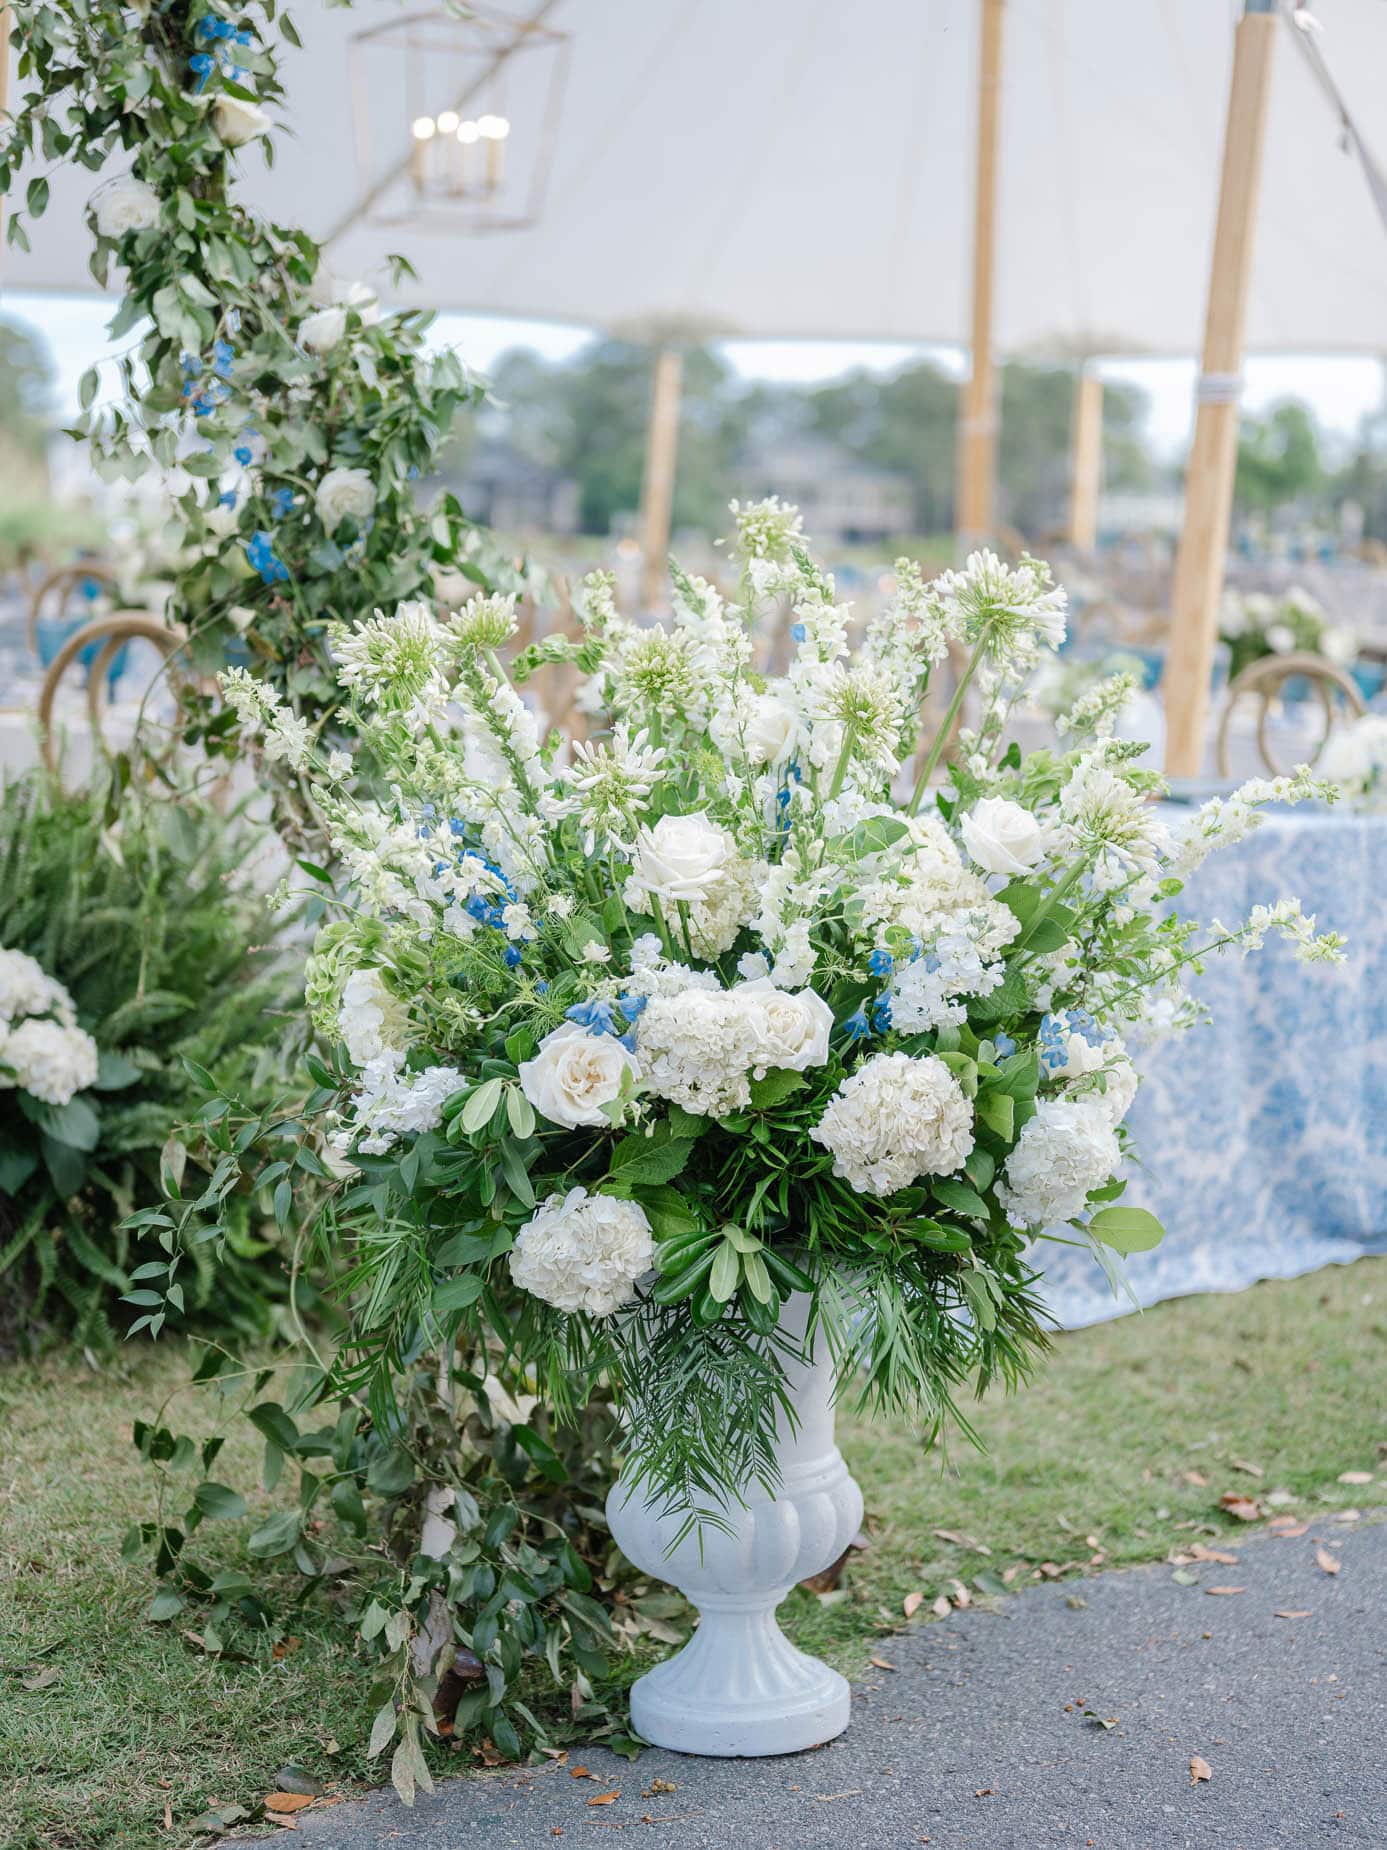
x: 1086, y: 460
x: 975, y: 520
x: 1199, y: 563
x: 4, y: 93
x: 657, y: 483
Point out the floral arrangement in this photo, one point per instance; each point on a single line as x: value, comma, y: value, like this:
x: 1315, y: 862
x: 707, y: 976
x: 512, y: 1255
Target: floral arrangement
x: 287, y: 415
x: 1355, y: 758
x: 1256, y: 623
x: 731, y: 1001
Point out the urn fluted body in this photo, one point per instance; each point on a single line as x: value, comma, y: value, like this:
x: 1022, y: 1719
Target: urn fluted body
x: 739, y: 1686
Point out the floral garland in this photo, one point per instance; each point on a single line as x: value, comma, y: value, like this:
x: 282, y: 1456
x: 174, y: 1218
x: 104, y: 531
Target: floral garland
x: 289, y: 416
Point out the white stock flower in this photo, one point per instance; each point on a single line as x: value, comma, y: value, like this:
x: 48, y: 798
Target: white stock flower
x: 320, y: 332
x: 795, y: 1027
x: 1066, y: 1150
x: 1004, y: 838
x: 393, y: 1103
x: 124, y: 204
x: 52, y: 1061
x: 894, y: 1120
x: 574, y: 1074
x: 290, y: 737
x: 583, y: 1252
x: 237, y: 121
x: 681, y: 857
x: 344, y: 494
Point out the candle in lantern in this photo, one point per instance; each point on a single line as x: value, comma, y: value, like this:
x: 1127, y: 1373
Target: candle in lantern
x: 494, y: 130
x: 468, y: 136
x: 423, y: 129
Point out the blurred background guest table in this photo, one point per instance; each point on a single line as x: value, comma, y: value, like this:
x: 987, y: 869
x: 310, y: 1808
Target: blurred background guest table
x: 1267, y: 1130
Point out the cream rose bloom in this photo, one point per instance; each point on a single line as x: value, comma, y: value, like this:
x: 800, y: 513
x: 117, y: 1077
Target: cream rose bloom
x: 321, y: 331
x: 575, y: 1074
x: 583, y: 1252
x: 772, y: 730
x: 237, y: 121
x: 344, y: 494
x: 795, y: 1029
x: 124, y: 204
x: 1003, y: 838
x: 682, y: 857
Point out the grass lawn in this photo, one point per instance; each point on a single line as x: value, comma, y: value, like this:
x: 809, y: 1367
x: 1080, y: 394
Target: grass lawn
x: 116, y: 1732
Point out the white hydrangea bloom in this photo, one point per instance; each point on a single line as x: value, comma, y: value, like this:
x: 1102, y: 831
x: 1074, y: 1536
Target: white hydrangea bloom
x: 582, y: 1252
x: 27, y: 989
x: 894, y: 1120
x: 51, y: 1060
x: 1066, y: 1150
x: 698, y: 1048
x: 369, y: 1017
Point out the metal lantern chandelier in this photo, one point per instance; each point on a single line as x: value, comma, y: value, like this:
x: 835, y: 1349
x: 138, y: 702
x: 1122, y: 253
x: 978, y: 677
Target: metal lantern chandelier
x: 475, y: 97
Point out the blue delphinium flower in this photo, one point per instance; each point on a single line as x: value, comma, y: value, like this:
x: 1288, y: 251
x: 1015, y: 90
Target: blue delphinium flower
x: 857, y: 1027
x: 881, y: 963
x: 1003, y: 1043
x: 798, y: 632
x: 512, y: 956
x: 881, y: 1013
x: 262, y: 555
x: 281, y: 501
x: 597, y: 1017
x: 244, y: 455
x: 632, y: 1007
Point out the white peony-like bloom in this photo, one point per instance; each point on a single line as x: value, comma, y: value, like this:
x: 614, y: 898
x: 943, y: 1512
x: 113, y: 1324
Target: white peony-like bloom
x: 1004, y: 838
x: 773, y: 730
x: 320, y: 332
x: 52, y: 1061
x: 574, y: 1074
x: 895, y: 1119
x: 794, y: 1029
x: 1067, y: 1149
x: 369, y: 1018
x: 124, y: 204
x: 681, y: 857
x: 583, y: 1252
x: 698, y: 1048
x: 345, y: 494
x: 237, y: 121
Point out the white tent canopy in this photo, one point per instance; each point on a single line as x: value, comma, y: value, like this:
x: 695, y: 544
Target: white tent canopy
x: 794, y: 168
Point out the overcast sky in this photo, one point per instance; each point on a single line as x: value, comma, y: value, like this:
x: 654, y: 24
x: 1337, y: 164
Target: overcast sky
x: 1339, y: 390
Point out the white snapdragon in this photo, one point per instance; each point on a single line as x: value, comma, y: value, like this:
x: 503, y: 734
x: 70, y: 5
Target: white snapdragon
x: 345, y: 494
x: 1224, y: 821
x: 290, y: 738
x: 895, y: 1120
x: 1065, y: 1151
x: 582, y: 1252
x: 578, y: 1078
x: 1095, y: 713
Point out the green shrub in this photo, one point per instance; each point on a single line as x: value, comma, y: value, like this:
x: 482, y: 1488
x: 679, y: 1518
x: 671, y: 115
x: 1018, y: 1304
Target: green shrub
x: 142, y: 913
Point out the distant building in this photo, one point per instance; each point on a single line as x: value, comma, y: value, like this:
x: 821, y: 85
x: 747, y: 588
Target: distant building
x: 501, y: 488
x: 844, y: 502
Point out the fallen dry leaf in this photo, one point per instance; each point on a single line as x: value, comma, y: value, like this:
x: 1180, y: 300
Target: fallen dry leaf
x: 1330, y: 1563
x: 1288, y: 1527
x: 827, y: 1798
x: 1292, y: 1615
x: 287, y: 1801
x: 1242, y: 1464
x: 1198, y: 1552
x: 941, y: 1607
x: 1199, y: 1769
x: 882, y: 1664
x: 1225, y: 1589
x: 1193, y: 1477
x: 1355, y: 1477
x: 912, y: 1604
x: 1246, y: 1509
x: 605, y: 1798
x: 41, y: 1679
x: 168, y: 1816
x: 580, y: 1772
x: 983, y: 1792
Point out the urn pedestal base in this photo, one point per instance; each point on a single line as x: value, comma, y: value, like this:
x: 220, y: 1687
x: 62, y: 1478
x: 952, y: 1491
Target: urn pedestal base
x: 739, y: 1687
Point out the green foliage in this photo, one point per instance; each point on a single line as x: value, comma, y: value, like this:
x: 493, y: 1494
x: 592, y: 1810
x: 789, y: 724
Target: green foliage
x: 140, y: 913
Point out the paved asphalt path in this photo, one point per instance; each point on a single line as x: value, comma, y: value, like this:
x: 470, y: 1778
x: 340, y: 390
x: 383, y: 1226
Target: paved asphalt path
x: 980, y: 1737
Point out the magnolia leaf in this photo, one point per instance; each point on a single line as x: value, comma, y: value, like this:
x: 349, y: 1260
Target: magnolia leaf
x: 520, y: 1112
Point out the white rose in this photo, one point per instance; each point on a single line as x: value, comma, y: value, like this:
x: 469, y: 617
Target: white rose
x: 320, y: 332
x: 796, y: 1027
x: 344, y: 494
x: 772, y: 730
x: 682, y: 857
x: 1281, y: 638
x: 237, y: 121
x: 124, y: 204
x: 1004, y: 838
x: 575, y: 1074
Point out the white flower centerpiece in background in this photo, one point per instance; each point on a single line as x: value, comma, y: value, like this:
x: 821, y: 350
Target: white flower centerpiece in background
x: 49, y: 1066
x: 748, y: 1015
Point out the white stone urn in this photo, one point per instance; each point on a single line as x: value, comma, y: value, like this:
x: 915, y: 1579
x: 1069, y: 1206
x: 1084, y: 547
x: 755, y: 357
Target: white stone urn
x: 739, y: 1686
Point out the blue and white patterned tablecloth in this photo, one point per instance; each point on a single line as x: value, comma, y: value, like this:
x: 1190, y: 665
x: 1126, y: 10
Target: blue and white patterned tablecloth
x: 1264, y: 1135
